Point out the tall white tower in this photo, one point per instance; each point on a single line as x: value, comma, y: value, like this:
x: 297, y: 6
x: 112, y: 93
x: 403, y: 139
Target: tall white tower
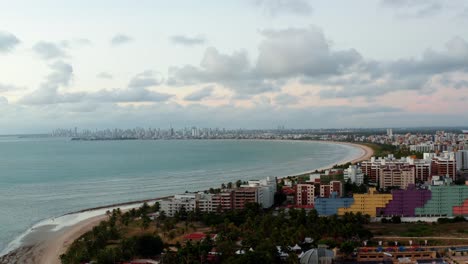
x: 389, y: 132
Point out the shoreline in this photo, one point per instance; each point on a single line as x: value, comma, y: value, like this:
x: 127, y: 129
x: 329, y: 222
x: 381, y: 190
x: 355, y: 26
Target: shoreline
x: 366, y: 153
x: 48, y: 250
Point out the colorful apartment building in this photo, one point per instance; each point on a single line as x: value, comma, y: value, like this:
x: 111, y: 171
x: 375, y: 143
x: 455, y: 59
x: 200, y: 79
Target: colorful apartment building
x: 444, y: 199
x: 367, y: 203
x: 329, y: 206
x: 405, y: 202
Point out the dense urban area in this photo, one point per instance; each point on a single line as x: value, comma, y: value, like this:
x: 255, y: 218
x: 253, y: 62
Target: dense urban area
x: 407, y: 204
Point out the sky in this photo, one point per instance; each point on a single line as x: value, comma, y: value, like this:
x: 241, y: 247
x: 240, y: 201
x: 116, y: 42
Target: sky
x: 232, y: 64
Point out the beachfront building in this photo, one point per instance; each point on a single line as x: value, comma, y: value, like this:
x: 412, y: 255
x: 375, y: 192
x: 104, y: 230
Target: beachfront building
x: 396, y: 176
x: 367, y: 203
x: 266, y: 189
x: 245, y: 195
x: 354, y: 174
x: 405, y: 202
x: 222, y: 201
x: 189, y: 201
x: 305, y: 194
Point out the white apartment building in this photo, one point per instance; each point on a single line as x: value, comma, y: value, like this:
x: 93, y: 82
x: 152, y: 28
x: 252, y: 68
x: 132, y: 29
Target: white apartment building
x: 264, y: 194
x: 190, y: 201
x: 354, y: 174
x: 266, y: 190
x: 422, y: 147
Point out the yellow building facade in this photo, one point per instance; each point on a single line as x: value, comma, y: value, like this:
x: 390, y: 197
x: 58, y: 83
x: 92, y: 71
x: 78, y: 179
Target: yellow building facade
x: 367, y: 203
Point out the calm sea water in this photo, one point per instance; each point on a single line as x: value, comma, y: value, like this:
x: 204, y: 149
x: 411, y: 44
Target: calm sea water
x: 48, y: 177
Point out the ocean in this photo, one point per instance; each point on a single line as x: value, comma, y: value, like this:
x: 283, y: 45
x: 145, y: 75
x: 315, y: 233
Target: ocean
x: 42, y: 178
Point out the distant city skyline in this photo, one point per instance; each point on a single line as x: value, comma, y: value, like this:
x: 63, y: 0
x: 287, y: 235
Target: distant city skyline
x: 252, y: 64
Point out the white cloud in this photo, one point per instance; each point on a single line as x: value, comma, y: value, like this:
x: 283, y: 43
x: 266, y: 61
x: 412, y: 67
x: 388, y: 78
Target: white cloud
x: 145, y: 79
x: 188, y: 40
x: 283, y: 7
x: 120, y: 39
x: 8, y: 42
x: 49, y: 50
x: 199, y: 94
x: 104, y: 75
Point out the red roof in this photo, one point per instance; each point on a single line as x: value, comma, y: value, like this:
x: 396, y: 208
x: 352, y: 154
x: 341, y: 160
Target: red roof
x: 198, y: 236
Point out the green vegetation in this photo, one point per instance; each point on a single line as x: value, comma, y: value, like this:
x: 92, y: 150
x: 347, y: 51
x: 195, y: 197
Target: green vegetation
x: 264, y: 230
x: 109, y: 241
x: 445, y: 227
x: 125, y: 236
x: 381, y: 150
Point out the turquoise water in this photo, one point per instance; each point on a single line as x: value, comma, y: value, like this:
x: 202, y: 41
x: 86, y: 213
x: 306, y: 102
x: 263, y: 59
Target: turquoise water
x: 43, y: 178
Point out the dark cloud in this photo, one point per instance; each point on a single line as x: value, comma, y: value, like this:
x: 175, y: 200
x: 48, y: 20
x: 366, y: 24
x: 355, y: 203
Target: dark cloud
x: 295, y: 52
x: 379, y: 78
x: 145, y: 79
x: 232, y: 71
x: 188, y: 40
x: 283, y: 7
x: 283, y: 54
x: 200, y: 94
x: 120, y: 39
x: 104, y: 75
x: 8, y: 42
x: 306, y: 54
x: 49, y: 50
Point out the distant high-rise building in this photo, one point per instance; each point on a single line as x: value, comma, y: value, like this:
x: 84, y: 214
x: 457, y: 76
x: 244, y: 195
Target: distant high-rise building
x: 389, y: 132
x: 461, y: 158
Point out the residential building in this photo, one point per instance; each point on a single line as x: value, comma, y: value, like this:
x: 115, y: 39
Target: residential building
x: 396, y: 176
x: 444, y: 165
x: 336, y: 187
x: 223, y: 201
x: 424, y: 147
x: 244, y: 195
x: 329, y: 206
x: 354, y: 174
x: 444, y: 199
x: 189, y: 201
x: 461, y: 158
x: 405, y: 202
x: 266, y: 190
x: 367, y: 203
x: 305, y: 194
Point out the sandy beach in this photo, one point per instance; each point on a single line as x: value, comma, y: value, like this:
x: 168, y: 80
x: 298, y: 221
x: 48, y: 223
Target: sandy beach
x: 46, y: 247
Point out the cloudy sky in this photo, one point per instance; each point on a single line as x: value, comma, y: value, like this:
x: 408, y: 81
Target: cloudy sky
x: 240, y: 63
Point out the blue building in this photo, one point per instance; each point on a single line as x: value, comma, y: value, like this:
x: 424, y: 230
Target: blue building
x: 329, y: 206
